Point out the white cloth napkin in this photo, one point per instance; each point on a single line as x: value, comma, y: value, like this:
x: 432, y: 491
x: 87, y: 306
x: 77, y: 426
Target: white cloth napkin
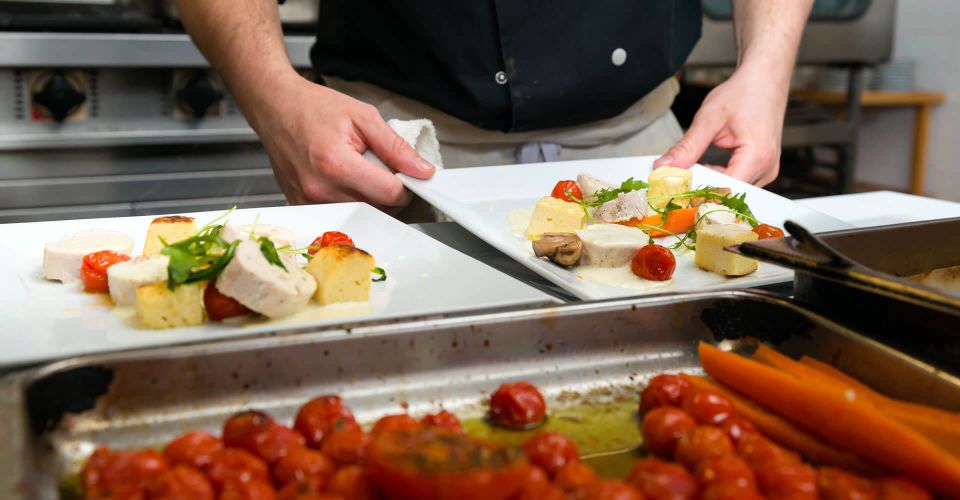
x: 421, y: 135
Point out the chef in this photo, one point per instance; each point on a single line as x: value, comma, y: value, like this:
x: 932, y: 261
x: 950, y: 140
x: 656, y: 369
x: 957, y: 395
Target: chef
x: 504, y: 81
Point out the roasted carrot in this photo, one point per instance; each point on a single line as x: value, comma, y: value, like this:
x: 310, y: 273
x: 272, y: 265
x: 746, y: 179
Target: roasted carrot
x: 849, y: 423
x: 679, y: 221
x: 828, y: 370
x: 783, y: 432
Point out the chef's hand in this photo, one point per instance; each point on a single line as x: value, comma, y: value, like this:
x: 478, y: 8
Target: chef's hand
x: 315, y: 138
x: 743, y: 114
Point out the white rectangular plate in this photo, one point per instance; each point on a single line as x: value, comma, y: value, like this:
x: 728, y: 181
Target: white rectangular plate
x: 481, y: 200
x: 44, y: 320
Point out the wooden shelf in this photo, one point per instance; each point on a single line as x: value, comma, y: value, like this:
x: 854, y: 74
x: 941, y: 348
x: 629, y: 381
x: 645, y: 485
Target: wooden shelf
x: 873, y: 98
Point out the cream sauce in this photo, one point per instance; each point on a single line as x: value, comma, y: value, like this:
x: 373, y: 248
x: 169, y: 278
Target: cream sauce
x: 621, y: 277
x: 313, y: 312
x: 519, y: 220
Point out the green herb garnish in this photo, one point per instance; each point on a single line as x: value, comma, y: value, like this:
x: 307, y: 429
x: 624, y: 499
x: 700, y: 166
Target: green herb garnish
x: 199, y: 257
x: 609, y: 194
x: 736, y: 203
x: 269, y: 251
x: 381, y: 274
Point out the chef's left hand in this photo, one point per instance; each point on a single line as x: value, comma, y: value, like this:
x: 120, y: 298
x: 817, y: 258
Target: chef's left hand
x: 743, y: 114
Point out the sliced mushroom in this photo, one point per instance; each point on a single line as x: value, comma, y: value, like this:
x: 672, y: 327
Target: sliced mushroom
x: 561, y: 248
x: 696, y: 202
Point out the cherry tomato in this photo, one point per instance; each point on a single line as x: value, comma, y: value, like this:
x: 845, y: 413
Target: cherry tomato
x: 182, y: 481
x: 756, y: 450
x: 316, y: 419
x: 518, y: 405
x: 303, y: 465
x: 663, y: 427
x: 898, y: 488
x: 241, y: 430
x: 277, y: 442
x: 305, y: 491
x: 730, y: 491
x: 551, y: 451
x: 440, y: 464
x: 736, y: 427
x: 329, y: 238
x: 398, y: 422
x: 443, y: 419
x: 663, y: 390
x: 837, y: 484
x: 353, y: 483
x: 567, y: 191
x: 255, y: 489
x: 766, y: 231
x: 701, y: 443
x: 729, y: 468
x: 574, y: 476
x: 793, y: 480
x: 537, y: 487
x: 608, y: 489
x: 193, y: 448
x: 707, y: 407
x: 220, y: 307
x: 237, y: 465
x: 124, y: 471
x: 662, y: 480
x: 347, y: 443
x: 93, y: 270
x: 654, y: 263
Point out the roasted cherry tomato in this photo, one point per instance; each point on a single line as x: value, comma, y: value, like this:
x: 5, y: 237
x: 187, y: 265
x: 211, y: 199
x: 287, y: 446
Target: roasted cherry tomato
x: 242, y: 429
x: 837, y: 484
x: 725, y: 469
x: 574, y: 476
x: 608, y: 489
x: 793, y: 480
x: 707, y: 407
x: 654, y: 263
x: 898, y: 488
x: 295, y: 490
x: 255, y: 489
x: 443, y: 419
x: 659, y: 479
x: 220, y: 307
x: 123, y: 471
x: 235, y: 464
x: 662, y: 429
x: 303, y: 465
x: 756, y: 450
x: 316, y: 419
x: 766, y: 231
x: 440, y: 464
x: 551, y: 450
x: 729, y: 491
x: 346, y: 443
x: 398, y: 422
x: 518, y: 405
x: 537, y: 486
x: 663, y: 390
x: 352, y: 483
x: 277, y: 442
x: 702, y: 442
x: 329, y: 238
x: 193, y: 448
x: 736, y: 427
x: 93, y: 270
x: 182, y: 481
x: 567, y: 191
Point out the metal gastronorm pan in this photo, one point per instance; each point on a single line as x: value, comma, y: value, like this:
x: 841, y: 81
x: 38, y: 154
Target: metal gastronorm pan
x: 53, y: 416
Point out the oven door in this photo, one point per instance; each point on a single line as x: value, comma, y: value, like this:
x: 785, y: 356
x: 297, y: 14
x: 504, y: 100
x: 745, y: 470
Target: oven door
x: 838, y: 32
x: 79, y: 15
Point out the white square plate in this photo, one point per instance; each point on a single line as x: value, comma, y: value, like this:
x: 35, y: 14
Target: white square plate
x: 44, y: 320
x: 482, y: 199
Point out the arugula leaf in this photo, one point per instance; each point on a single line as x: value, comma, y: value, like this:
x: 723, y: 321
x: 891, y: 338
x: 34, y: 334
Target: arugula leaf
x: 269, y: 251
x: 609, y: 194
x: 381, y: 274
x: 199, y: 257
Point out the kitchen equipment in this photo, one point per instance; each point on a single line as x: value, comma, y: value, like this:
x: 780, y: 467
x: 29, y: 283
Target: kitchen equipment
x: 479, y: 200
x: 79, y: 15
x: 300, y: 15
x: 54, y: 416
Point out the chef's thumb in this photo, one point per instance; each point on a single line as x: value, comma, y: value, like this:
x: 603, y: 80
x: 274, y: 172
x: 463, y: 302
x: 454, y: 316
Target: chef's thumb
x: 395, y: 152
x: 691, y: 147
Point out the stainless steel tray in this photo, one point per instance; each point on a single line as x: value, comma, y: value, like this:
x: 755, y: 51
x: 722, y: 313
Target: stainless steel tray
x: 52, y: 417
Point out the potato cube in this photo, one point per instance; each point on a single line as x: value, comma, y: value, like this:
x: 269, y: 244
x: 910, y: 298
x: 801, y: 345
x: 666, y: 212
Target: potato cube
x: 553, y: 215
x: 171, y: 228
x: 342, y: 273
x: 712, y: 257
x: 665, y: 182
x: 158, y: 307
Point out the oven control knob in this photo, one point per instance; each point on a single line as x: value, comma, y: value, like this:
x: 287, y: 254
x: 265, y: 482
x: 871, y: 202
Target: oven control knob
x: 58, y: 96
x: 198, y: 95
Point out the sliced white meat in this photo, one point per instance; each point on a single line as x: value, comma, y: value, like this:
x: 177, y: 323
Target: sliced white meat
x: 590, y: 185
x: 124, y: 278
x: 627, y: 206
x: 62, y: 259
x: 280, y: 236
x: 264, y: 287
x: 610, y: 245
x: 715, y: 213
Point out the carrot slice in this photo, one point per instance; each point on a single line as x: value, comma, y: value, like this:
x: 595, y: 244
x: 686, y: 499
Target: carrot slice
x: 838, y: 417
x: 679, y: 221
x: 783, y: 432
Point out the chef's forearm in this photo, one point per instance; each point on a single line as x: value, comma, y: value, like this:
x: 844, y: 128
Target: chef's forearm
x: 243, y: 40
x: 768, y: 35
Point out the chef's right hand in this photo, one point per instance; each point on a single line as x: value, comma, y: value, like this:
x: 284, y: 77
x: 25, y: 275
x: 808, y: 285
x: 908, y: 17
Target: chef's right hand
x: 315, y: 138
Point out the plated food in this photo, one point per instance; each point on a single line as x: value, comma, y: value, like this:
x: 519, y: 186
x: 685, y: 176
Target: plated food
x: 220, y: 271
x: 727, y: 436
x: 592, y: 225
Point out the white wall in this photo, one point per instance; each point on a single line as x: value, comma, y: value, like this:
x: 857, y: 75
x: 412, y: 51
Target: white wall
x: 928, y: 31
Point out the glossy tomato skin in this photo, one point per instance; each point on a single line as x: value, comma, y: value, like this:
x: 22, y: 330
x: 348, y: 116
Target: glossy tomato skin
x: 608, y: 489
x: 303, y: 465
x: 182, y: 481
x: 837, y: 484
x: 125, y: 471
x: 305, y: 491
x: 537, y: 486
x: 398, y: 422
x: 793, y: 480
x: 551, y: 451
x: 276, y: 442
x: 757, y: 450
x: 319, y: 416
x: 237, y: 465
x: 729, y: 491
x: 898, y: 488
x: 93, y: 269
x: 736, y: 427
x: 654, y: 263
x: 662, y: 429
x: 347, y: 443
x: 443, y: 419
x: 518, y: 405
x: 440, y: 464
x: 663, y: 390
x: 574, y: 476
x: 766, y: 231
x: 707, y: 407
x: 241, y: 430
x: 353, y: 483
x: 220, y: 307
x: 193, y: 448
x: 330, y: 238
x: 255, y: 489
x: 720, y: 469
x: 661, y: 480
x: 567, y: 191
x: 701, y: 443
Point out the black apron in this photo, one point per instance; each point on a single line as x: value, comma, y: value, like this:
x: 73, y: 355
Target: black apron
x: 510, y: 65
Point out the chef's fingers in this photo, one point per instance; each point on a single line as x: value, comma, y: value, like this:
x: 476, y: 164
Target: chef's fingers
x: 718, y: 168
x: 693, y: 144
x: 753, y: 164
x: 395, y: 152
x: 351, y: 172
